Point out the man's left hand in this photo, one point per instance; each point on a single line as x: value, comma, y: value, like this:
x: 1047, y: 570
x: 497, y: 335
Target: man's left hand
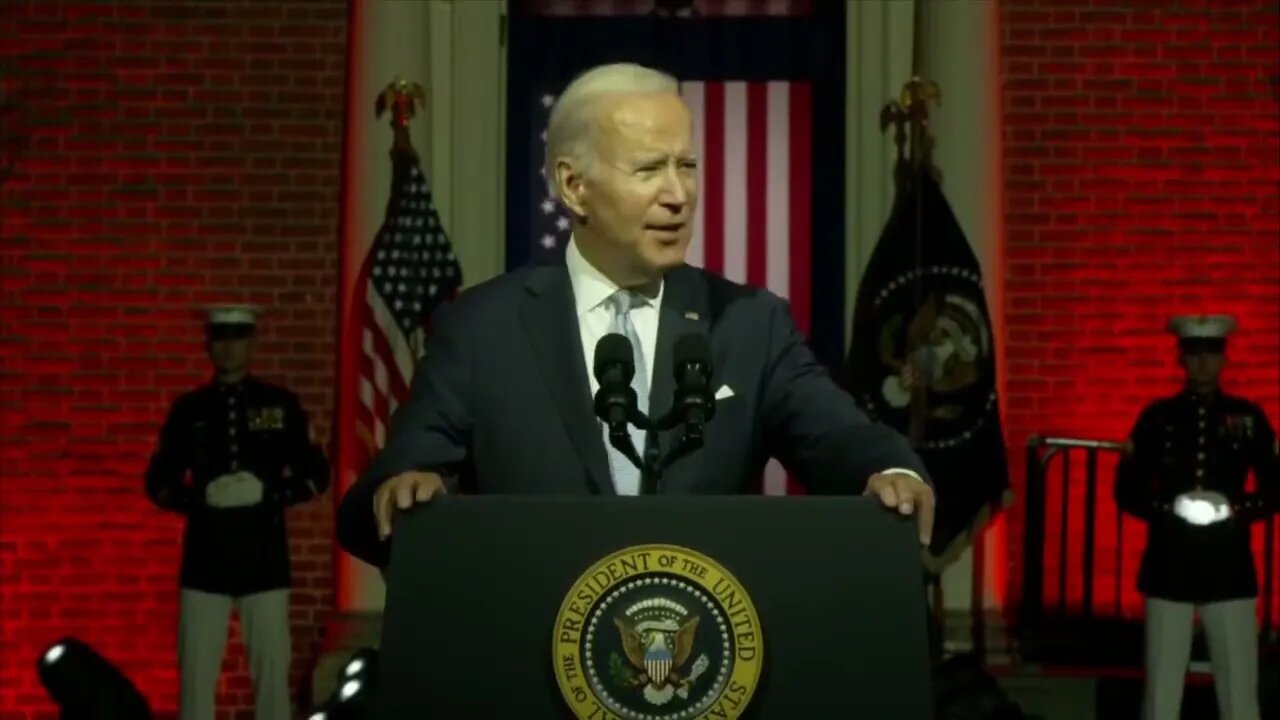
x: 907, y: 495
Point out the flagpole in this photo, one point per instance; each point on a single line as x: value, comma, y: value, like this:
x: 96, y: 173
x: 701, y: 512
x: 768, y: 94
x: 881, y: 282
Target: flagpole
x: 383, y: 40
x: 917, y: 117
x: 910, y: 117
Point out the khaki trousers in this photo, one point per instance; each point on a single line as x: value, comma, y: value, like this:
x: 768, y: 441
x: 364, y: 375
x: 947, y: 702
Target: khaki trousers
x: 1232, y: 634
x: 202, y: 643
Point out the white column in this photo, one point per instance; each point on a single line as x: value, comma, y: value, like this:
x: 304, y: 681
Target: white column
x: 878, y: 42
x: 454, y: 49
x: 960, y: 51
x: 387, y: 39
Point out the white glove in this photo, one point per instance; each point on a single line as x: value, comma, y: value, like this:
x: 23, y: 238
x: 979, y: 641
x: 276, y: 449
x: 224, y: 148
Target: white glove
x: 247, y: 490
x: 215, y: 493
x: 1202, y: 507
x: 238, y: 490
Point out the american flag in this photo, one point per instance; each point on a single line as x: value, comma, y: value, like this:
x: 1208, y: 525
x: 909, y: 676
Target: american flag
x: 753, y: 222
x: 409, y: 270
x: 551, y: 223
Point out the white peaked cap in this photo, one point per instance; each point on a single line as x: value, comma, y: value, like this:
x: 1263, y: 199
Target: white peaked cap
x: 232, y: 314
x: 1201, y: 326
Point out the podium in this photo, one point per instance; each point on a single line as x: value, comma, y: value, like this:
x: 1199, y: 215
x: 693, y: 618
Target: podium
x: 654, y: 608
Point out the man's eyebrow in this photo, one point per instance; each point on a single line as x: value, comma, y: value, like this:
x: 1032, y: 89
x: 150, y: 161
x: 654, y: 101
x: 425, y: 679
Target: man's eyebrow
x: 655, y: 158
x: 649, y: 159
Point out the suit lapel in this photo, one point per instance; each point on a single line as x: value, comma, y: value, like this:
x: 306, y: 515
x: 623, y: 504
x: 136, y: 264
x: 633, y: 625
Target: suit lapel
x: 684, y: 310
x: 552, y: 327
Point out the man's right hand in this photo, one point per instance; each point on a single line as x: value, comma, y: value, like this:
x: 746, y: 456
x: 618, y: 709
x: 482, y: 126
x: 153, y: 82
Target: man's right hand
x: 400, y: 493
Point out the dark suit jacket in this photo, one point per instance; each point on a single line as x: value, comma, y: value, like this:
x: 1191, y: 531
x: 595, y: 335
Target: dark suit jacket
x: 502, y: 401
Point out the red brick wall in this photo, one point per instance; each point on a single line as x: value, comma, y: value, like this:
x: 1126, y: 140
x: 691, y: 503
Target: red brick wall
x: 1142, y: 163
x: 157, y: 156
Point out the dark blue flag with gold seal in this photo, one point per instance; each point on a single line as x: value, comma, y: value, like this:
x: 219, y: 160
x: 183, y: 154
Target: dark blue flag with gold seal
x: 922, y: 359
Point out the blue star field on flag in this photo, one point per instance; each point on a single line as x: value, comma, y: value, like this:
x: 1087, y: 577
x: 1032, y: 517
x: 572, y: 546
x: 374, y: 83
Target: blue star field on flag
x: 413, y: 267
x: 550, y: 228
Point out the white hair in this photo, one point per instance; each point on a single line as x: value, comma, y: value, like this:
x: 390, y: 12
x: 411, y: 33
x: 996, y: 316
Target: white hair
x: 570, y: 128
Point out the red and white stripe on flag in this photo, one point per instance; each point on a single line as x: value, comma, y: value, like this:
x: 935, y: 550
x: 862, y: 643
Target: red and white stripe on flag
x: 754, y: 213
x: 384, y: 370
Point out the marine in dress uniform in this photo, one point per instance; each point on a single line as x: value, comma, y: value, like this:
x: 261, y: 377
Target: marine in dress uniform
x: 232, y: 455
x: 1184, y: 472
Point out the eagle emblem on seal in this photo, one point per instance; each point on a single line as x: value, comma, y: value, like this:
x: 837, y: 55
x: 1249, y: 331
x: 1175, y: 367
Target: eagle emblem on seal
x: 658, y: 641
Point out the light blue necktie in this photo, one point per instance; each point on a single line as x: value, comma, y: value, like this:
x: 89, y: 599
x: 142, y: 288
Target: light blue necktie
x: 626, y: 477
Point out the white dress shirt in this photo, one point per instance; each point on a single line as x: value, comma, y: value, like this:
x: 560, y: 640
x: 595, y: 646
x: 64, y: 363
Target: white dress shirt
x: 590, y: 291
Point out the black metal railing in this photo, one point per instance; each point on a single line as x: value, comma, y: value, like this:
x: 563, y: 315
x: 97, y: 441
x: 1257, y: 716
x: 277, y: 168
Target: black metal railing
x: 1059, y: 631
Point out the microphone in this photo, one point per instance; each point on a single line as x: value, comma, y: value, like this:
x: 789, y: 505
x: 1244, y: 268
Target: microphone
x: 614, y: 366
x: 695, y: 402
x: 615, y: 401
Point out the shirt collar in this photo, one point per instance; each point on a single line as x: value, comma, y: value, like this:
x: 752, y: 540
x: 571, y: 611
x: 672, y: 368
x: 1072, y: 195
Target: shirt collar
x: 590, y: 287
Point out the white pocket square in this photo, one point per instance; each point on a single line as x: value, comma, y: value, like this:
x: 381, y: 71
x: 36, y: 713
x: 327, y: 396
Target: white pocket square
x: 725, y: 392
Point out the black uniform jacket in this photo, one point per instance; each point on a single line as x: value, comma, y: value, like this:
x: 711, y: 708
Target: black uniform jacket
x: 222, y: 428
x: 1199, y: 442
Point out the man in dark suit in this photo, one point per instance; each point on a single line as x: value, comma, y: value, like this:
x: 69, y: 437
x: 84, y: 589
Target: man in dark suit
x: 502, y: 402
x: 1184, y: 473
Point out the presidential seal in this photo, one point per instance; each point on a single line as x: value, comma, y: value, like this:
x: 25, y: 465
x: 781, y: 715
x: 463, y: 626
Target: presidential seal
x: 945, y: 337
x: 657, y: 632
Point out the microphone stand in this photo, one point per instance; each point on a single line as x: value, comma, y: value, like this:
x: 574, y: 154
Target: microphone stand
x: 654, y: 463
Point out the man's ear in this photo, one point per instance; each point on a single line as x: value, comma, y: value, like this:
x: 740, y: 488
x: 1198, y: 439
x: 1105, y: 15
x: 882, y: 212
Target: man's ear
x: 572, y: 186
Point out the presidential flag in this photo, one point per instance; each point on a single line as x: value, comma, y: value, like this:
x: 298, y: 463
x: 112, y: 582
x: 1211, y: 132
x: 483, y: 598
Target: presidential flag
x: 921, y: 305
x: 750, y: 73
x: 409, y: 270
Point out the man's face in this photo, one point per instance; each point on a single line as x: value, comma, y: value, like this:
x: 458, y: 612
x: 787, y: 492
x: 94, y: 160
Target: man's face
x: 231, y: 355
x: 1203, y: 368
x: 639, y: 197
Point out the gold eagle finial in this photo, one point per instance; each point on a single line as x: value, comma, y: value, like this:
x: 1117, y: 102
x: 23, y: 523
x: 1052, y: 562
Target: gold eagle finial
x: 402, y: 98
